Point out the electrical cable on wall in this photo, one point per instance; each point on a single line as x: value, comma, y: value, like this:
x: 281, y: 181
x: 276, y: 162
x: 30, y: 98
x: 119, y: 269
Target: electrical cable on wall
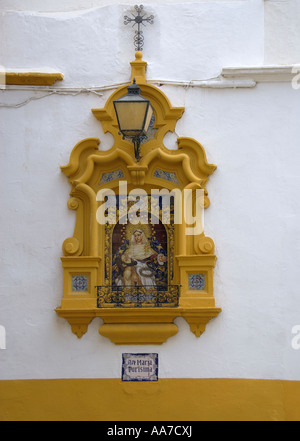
x: 214, y: 82
x: 50, y: 92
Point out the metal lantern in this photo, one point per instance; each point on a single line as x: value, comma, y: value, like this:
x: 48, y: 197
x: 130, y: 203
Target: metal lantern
x: 134, y: 113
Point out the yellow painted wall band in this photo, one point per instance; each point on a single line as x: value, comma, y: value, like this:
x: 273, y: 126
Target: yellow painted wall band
x: 164, y: 400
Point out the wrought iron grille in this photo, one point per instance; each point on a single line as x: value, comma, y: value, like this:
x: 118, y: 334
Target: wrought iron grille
x: 109, y: 296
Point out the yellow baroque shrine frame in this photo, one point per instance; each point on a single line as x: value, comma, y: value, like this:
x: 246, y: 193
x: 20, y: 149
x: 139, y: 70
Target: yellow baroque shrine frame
x: 137, y: 294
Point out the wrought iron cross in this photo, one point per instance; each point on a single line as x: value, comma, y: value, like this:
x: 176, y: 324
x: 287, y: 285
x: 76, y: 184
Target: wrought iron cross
x: 139, y: 20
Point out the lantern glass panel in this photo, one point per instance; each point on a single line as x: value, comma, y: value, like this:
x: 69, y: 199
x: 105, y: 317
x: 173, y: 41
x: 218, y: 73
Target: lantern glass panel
x: 148, y: 118
x: 131, y: 116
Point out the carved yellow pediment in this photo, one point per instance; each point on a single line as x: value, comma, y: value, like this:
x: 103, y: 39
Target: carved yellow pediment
x: 91, y: 286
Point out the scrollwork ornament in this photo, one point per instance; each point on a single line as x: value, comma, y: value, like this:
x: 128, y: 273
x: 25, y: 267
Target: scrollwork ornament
x: 73, y: 203
x: 70, y: 246
x: 205, y: 245
x: 206, y: 202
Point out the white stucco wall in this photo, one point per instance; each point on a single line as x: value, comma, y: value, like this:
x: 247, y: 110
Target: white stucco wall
x: 282, y: 33
x: 251, y: 134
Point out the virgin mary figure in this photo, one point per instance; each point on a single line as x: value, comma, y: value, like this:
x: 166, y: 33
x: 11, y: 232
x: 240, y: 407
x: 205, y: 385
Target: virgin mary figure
x: 140, y: 261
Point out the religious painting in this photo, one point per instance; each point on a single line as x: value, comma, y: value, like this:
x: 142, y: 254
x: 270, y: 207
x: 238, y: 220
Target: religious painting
x: 139, y: 255
x: 139, y: 263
